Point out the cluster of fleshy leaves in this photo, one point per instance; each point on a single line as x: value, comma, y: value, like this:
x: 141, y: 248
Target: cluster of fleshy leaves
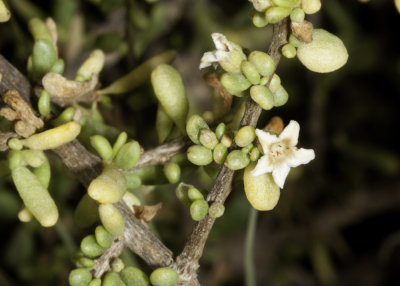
x: 266, y: 156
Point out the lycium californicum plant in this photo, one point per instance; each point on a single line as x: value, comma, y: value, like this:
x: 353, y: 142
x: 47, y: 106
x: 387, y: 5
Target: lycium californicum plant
x: 218, y: 138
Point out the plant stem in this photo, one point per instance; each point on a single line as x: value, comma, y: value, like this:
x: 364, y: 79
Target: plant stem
x: 249, y: 269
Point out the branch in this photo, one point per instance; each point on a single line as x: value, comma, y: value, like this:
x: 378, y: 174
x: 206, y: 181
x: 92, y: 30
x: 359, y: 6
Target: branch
x: 137, y: 237
x: 12, y: 79
x: 161, y: 154
x: 104, y: 261
x: 187, y: 262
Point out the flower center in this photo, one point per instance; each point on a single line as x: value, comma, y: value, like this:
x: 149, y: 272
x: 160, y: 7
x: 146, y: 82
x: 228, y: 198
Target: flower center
x: 278, y: 151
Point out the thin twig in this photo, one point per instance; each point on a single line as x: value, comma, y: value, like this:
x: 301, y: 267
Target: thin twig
x: 103, y: 262
x: 161, y: 154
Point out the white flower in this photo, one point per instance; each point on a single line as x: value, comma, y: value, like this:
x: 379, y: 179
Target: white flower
x: 281, y: 153
x: 228, y: 54
x: 261, y: 5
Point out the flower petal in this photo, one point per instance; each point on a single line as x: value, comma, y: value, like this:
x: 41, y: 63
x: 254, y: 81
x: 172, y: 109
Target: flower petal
x: 221, y: 42
x: 291, y: 133
x: 263, y: 166
x: 266, y: 139
x: 300, y: 156
x: 280, y: 173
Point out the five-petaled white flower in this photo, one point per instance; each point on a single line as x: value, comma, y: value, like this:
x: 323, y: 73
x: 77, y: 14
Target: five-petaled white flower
x: 228, y: 54
x: 281, y: 153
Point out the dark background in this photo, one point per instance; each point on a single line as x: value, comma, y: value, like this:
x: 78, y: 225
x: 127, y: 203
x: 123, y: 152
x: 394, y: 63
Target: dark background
x: 337, y: 221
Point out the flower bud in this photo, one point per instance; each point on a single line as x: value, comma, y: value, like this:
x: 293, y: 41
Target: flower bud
x: 280, y: 96
x: 15, y: 144
x: 208, y: 138
x: 264, y: 80
x: 65, y: 116
x: 131, y: 200
x: 261, y: 5
x: 103, y: 237
x: 95, y: 282
x: 263, y: 62
x: 102, y: 146
x: 4, y: 12
x: 275, y: 83
x: 262, y: 96
x: 86, y: 212
x: 173, y: 172
x: 90, y: 247
x: 232, y: 63
x: 43, y: 57
x: 79, y: 277
x: 117, y: 265
x: 44, y: 103
x: 250, y: 71
x: 276, y: 14
x: 111, y: 279
x: 193, y: 127
x: 261, y: 191
x: 235, y: 82
x: 121, y: 140
x: 237, y: 160
x: 54, y: 137
x: 247, y: 148
x: 220, y: 130
x: 92, y: 65
x: 311, y: 6
x: 58, y: 66
x: 133, y: 181
x: 259, y: 20
x: 245, y: 136
x: 111, y: 219
x: 168, y: 87
x: 226, y: 141
x: 220, y: 152
x: 289, y: 51
x: 164, y: 124
x: 294, y: 41
x: 216, y: 210
x: 109, y: 187
x: 15, y: 160
x: 128, y: 155
x: 25, y: 215
x: 297, y: 15
x: 35, y: 197
x: 254, y: 154
x: 34, y: 158
x: 133, y: 276
x: 199, y: 209
x: 325, y: 53
x: 164, y: 277
x: 199, y: 155
x: 195, y: 194
x: 86, y: 262
x: 182, y: 193
x: 286, y: 3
